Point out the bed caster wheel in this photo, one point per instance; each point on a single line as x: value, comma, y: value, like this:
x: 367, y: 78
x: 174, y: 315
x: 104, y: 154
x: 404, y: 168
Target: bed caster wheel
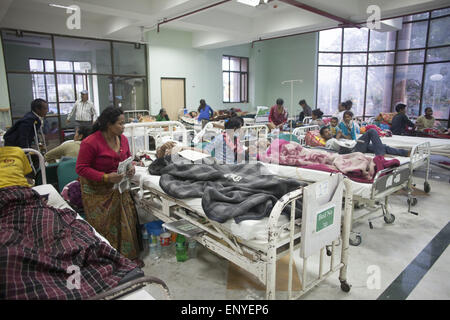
x: 389, y: 219
x: 412, y: 201
x: 370, y: 225
x: 426, y: 187
x: 355, y: 242
x: 345, y: 286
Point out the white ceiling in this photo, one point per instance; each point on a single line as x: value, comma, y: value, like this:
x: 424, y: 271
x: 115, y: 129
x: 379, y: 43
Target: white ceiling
x: 229, y: 23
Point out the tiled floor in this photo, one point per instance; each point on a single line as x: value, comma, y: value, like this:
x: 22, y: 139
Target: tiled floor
x: 388, y: 248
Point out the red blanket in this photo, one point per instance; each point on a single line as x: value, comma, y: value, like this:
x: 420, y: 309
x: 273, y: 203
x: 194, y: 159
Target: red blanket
x: 39, y: 243
x: 357, y: 166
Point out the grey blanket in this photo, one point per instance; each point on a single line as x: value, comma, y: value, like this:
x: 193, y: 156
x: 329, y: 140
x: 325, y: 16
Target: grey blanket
x: 242, y: 192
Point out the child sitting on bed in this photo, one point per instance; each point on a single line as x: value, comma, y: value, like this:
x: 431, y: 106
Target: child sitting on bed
x: 369, y: 142
x: 14, y: 167
x: 226, y: 146
x: 334, y: 126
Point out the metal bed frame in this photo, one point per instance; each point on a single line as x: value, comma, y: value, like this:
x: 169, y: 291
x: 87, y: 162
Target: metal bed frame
x: 262, y: 264
x: 176, y: 131
x: 122, y: 289
x: 258, y: 130
x: 387, y: 182
x: 127, y: 113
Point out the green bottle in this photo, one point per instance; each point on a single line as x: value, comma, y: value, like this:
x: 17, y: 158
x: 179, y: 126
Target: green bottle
x: 181, y: 248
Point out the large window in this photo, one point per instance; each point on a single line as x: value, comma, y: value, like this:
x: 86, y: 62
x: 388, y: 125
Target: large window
x: 58, y: 68
x: 235, y: 79
x: 377, y: 70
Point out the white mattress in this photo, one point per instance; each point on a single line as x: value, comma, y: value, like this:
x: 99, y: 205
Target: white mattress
x: 253, y: 231
x: 438, y: 146
x: 359, y: 189
x: 56, y: 200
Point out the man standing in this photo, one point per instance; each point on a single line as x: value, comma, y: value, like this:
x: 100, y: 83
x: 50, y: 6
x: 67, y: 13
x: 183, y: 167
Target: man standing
x: 25, y: 132
x: 306, y: 112
x: 84, y: 111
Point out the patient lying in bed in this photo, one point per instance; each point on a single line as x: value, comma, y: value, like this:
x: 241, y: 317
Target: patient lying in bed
x: 369, y: 142
x: 14, y: 167
x: 355, y: 165
x: 41, y: 246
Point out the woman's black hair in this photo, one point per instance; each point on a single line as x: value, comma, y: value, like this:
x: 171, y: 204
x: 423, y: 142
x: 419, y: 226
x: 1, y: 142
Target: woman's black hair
x: 164, y: 110
x: 348, y: 112
x: 37, y: 104
x: 85, y: 131
x: 348, y: 104
x: 400, y: 107
x: 234, y: 123
x: 318, y: 113
x: 280, y: 101
x: 202, y: 104
x: 108, y: 116
x: 428, y: 108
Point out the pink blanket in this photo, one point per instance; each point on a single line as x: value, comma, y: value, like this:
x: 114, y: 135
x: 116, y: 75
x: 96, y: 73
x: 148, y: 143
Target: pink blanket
x: 356, y: 165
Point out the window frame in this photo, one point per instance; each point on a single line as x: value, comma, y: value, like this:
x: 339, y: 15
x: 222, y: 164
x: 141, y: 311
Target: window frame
x: 240, y: 72
x: 55, y: 73
x: 396, y: 51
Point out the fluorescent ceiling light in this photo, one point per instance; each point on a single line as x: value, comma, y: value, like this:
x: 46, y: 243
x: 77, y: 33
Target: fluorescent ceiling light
x: 60, y: 6
x: 252, y: 3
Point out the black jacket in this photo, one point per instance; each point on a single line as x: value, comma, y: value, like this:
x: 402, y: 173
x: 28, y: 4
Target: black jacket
x: 22, y: 133
x: 399, y: 123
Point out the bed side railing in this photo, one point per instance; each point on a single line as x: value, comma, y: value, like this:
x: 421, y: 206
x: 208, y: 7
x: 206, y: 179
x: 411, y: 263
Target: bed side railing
x: 157, y: 129
x: 301, y: 131
x: 128, y: 113
x: 274, y: 232
x: 132, y: 286
x: 419, y: 153
x: 41, y: 162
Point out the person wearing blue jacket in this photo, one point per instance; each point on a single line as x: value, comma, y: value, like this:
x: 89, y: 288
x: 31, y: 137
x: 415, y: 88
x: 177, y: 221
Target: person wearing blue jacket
x: 22, y: 134
x: 347, y: 127
x: 205, y: 111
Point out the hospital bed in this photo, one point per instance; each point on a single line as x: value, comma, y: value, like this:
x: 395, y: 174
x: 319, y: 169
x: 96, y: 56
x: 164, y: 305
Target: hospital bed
x: 138, y: 134
x: 134, y: 114
x: 257, y: 245
x: 248, y: 132
x: 132, y: 285
x: 385, y: 182
x: 437, y: 146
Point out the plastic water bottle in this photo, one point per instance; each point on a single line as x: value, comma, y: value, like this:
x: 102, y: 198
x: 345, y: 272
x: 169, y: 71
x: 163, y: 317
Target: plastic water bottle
x: 192, y: 248
x: 155, y: 247
x: 144, y: 234
x: 181, y: 248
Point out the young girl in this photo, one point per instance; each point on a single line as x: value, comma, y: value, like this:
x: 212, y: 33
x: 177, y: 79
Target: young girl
x: 347, y: 127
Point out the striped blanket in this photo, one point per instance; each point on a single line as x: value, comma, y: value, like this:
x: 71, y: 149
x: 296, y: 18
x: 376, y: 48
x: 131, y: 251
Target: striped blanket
x: 46, y: 253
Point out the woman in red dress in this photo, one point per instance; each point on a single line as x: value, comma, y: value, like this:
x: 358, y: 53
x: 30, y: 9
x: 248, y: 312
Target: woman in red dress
x: 111, y: 213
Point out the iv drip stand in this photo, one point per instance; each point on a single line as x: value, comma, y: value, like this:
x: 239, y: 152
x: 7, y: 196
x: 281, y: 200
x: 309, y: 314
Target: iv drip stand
x: 292, y: 93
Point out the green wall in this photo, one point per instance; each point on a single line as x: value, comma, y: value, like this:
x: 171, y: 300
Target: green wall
x: 291, y: 58
x: 270, y: 62
x: 170, y: 54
